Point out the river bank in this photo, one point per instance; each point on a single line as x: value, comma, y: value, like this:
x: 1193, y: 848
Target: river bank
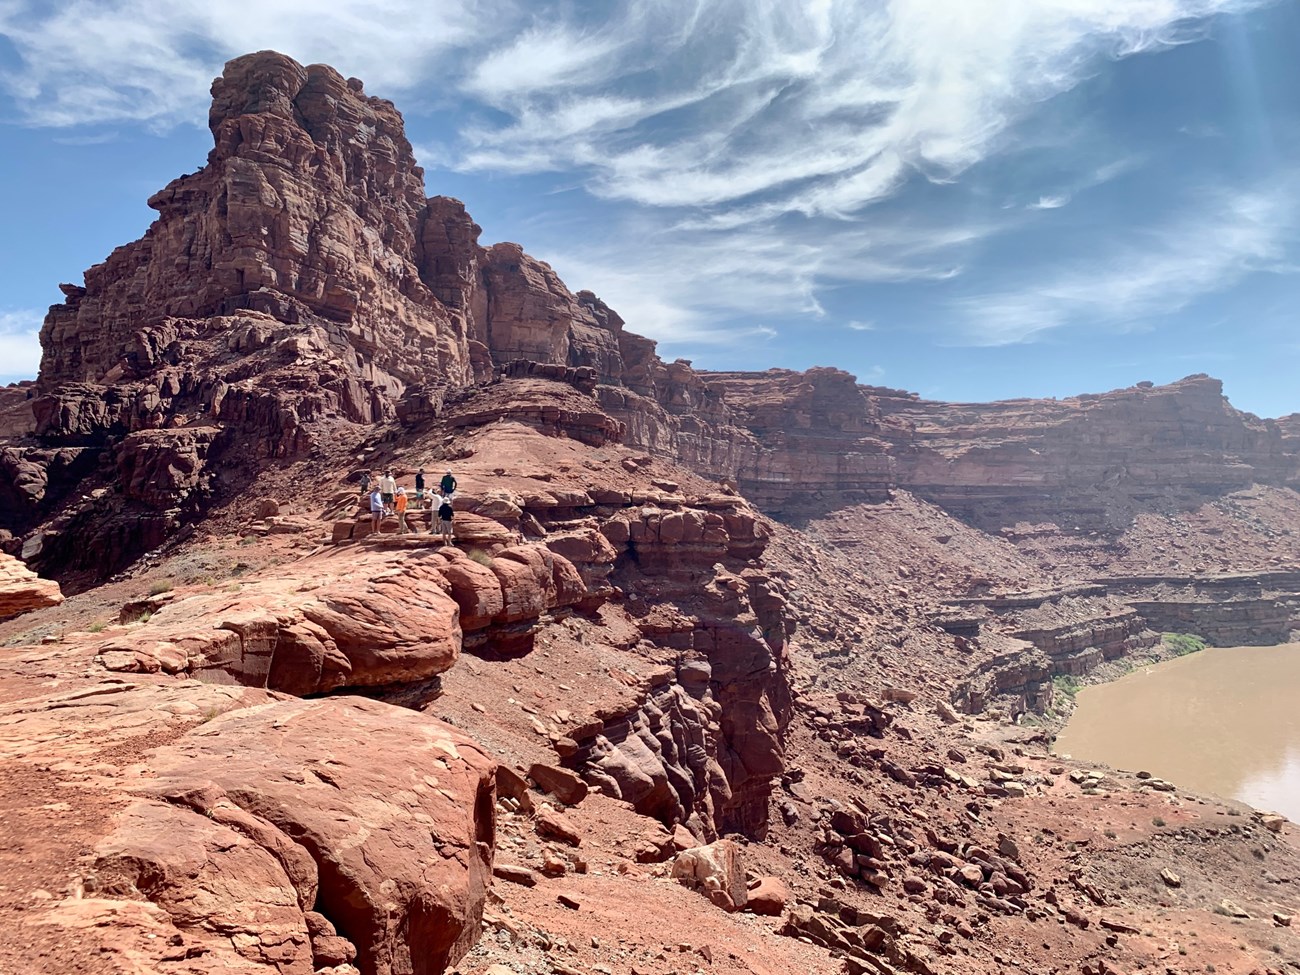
x: 1222, y: 721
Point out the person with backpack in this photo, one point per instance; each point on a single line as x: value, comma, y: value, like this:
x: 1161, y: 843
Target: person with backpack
x: 448, y: 484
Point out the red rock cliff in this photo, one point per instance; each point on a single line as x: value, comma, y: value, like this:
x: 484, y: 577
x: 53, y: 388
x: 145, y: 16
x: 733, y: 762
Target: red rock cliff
x: 302, y: 281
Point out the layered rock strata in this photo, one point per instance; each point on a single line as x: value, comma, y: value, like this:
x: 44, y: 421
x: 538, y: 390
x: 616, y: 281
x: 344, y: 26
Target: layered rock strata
x: 301, y: 284
x: 1089, y: 461
x: 1233, y: 610
x: 708, y: 738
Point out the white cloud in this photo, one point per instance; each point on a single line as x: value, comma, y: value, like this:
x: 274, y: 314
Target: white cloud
x: 548, y: 58
x: 825, y: 104
x: 111, y: 61
x: 745, y: 140
x: 1050, y: 202
x: 693, y: 285
x: 1154, y: 272
x: 861, y: 326
x: 20, y: 347
x: 816, y: 108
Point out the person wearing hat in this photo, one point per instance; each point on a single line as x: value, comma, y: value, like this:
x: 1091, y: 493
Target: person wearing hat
x: 447, y: 484
x: 399, y: 503
x: 445, y: 515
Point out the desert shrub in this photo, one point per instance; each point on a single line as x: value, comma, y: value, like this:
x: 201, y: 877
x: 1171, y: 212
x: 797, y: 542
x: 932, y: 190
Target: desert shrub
x: 481, y: 557
x: 96, y: 627
x: 1183, y: 643
x: 1066, y: 685
x: 160, y: 587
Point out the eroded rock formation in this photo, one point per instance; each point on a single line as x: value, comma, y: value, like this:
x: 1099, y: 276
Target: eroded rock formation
x: 21, y: 589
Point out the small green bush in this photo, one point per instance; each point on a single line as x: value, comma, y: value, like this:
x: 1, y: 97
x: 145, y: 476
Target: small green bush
x: 1183, y: 643
x: 96, y: 627
x: 481, y: 557
x: 1066, y: 685
x: 160, y: 587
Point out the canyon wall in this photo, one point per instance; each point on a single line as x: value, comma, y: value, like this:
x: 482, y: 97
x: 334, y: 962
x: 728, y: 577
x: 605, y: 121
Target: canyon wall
x: 301, y: 281
x: 1087, y: 461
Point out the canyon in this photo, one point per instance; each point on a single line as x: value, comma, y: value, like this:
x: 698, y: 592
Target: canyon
x: 782, y: 618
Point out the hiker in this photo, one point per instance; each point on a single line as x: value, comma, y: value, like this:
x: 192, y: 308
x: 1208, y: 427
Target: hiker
x: 444, y: 518
x: 400, y: 505
x: 364, y: 478
x: 419, y: 484
x: 388, y: 485
x: 376, y: 509
x: 448, y: 484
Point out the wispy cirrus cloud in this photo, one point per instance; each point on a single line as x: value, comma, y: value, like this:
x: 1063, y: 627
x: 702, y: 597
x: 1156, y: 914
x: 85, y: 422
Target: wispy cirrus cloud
x: 744, y: 150
x: 1154, y: 272
x: 818, y: 108
x: 822, y: 105
x: 114, y: 61
x: 1050, y: 202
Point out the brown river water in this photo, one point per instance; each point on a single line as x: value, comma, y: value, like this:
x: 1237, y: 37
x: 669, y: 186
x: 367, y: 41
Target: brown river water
x: 1225, y: 720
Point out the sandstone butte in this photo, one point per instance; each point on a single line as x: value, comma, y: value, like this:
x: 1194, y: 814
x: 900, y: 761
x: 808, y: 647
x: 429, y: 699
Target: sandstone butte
x: 727, y: 672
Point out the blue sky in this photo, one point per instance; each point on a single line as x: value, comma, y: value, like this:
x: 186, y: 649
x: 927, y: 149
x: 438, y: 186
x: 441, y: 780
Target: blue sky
x: 973, y: 199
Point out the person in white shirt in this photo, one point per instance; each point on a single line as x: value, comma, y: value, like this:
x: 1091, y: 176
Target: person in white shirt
x: 388, y: 485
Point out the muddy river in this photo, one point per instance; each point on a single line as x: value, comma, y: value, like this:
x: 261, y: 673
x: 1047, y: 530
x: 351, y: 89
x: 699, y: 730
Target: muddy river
x: 1225, y: 721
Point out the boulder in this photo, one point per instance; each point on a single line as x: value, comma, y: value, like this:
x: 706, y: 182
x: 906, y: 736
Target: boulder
x: 22, y: 590
x: 354, y: 621
x: 512, y: 785
x: 476, y: 589
x: 565, y: 785
x: 264, y: 816
x: 552, y: 824
x: 716, y: 871
x: 769, y: 897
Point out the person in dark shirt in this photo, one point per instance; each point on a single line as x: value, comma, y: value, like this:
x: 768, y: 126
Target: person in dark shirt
x: 448, y: 484
x: 419, y: 484
x: 445, y: 515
